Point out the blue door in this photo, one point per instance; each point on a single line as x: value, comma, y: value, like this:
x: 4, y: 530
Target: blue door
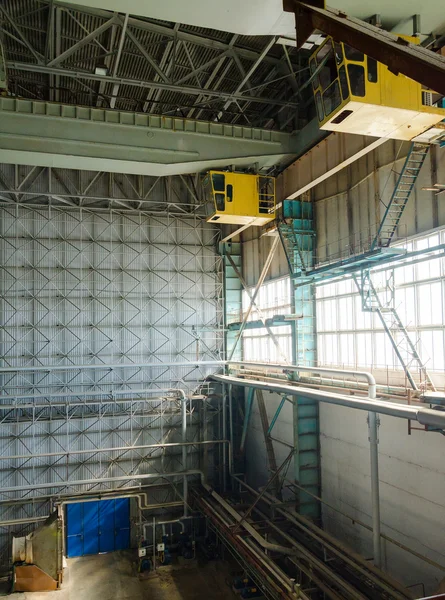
x: 93, y: 527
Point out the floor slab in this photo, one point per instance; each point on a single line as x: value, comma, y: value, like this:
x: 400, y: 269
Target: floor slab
x: 114, y: 576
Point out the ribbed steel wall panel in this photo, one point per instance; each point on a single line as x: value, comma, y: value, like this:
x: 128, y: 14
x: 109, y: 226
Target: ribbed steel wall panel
x: 100, y: 289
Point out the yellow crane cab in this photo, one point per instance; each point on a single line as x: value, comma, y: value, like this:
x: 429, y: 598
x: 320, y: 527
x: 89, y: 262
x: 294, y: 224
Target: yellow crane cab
x: 356, y: 94
x: 240, y: 198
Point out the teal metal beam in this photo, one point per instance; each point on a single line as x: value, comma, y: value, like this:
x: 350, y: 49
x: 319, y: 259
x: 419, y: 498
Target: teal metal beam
x: 276, y: 415
x: 247, y: 415
x: 66, y: 136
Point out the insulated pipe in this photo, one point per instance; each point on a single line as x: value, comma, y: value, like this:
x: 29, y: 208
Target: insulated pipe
x: 22, y: 521
x: 184, y: 448
x: 320, y: 370
x: 169, y: 522
x: 224, y: 434
x: 425, y: 416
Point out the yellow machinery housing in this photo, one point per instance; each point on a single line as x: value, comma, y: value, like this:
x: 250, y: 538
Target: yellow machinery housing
x: 240, y: 198
x: 356, y: 94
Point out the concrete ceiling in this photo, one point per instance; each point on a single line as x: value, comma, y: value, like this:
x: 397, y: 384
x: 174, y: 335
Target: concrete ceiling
x: 266, y: 17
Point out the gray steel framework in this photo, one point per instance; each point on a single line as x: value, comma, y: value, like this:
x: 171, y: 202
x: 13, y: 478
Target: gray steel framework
x: 102, y: 315
x: 207, y: 73
x: 127, y: 193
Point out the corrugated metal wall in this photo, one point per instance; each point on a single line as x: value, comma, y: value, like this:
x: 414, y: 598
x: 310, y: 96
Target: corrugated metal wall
x: 80, y: 289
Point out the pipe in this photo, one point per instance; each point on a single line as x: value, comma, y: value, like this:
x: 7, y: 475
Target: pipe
x: 60, y: 484
x: 253, y: 532
x: 320, y: 370
x: 231, y: 466
x: 425, y: 416
x: 123, y: 449
x: 184, y: 449
x: 224, y: 435
x: 180, y: 520
x: 373, y: 424
x: 26, y: 521
x: 49, y: 369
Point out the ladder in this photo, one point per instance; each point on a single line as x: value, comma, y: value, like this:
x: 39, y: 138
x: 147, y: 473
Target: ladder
x: 400, y: 196
x: 290, y: 239
x: 399, y: 337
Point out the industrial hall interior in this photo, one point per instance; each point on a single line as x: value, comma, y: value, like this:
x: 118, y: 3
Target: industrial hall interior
x: 222, y: 299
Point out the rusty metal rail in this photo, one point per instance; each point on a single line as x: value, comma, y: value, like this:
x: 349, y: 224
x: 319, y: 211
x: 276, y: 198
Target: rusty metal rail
x: 400, y: 56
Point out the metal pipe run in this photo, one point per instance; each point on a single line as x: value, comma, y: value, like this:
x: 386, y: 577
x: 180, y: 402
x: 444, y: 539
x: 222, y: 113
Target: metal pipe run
x: 123, y: 449
x: 253, y: 532
x: 373, y: 424
x: 98, y: 480
x: 184, y: 449
x: 104, y: 367
x: 425, y: 416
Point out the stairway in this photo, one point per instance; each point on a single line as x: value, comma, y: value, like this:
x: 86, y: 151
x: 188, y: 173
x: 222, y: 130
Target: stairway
x: 400, y: 196
x: 401, y: 341
x: 291, y: 239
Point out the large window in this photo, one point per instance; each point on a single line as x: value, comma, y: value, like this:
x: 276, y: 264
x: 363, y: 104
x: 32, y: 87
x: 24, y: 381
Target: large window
x: 351, y: 337
x: 273, y: 299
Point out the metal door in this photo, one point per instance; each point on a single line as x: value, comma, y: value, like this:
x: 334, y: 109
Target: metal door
x: 94, y: 527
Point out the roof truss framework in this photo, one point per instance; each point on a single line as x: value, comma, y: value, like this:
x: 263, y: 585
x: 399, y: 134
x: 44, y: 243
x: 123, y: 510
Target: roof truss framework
x: 54, y: 51
x: 49, y: 186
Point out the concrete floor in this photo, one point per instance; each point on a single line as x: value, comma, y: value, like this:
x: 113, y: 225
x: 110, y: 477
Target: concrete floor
x: 113, y: 576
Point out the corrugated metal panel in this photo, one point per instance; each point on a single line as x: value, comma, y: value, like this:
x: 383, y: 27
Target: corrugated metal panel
x: 81, y: 288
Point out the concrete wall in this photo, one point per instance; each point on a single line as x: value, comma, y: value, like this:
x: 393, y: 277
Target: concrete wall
x: 412, y: 491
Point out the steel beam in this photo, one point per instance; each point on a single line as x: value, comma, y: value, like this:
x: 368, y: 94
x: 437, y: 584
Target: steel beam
x: 255, y: 293
x: 160, y: 85
x: 412, y: 60
x: 337, y: 150
x: 39, y: 58
x: 81, y: 43
x: 170, y: 32
x: 65, y: 136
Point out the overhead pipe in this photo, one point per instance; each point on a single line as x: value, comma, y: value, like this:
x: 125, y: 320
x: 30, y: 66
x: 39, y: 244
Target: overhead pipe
x: 123, y: 449
x: 98, y: 480
x: 373, y: 423
x: 184, y: 448
x: 424, y: 416
x: 188, y: 363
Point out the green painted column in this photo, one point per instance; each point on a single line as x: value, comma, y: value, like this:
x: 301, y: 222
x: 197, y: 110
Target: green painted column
x: 298, y: 237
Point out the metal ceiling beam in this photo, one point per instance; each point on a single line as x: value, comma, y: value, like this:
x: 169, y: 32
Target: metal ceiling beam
x: 252, y: 70
x: 83, y: 42
x: 153, y: 95
x: 312, y: 168
x: 163, y: 30
x: 193, y: 91
x: 147, y: 57
x: 114, y: 93
x: 73, y: 137
x: 412, y: 60
x: 39, y: 58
